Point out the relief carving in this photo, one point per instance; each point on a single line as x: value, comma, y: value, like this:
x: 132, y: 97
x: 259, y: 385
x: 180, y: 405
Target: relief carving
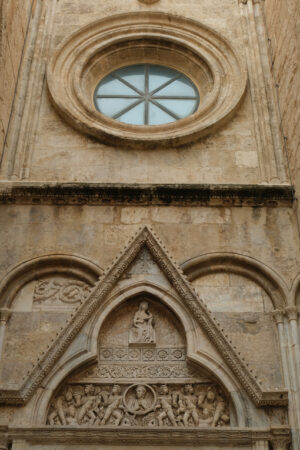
x: 142, y: 330
x: 127, y: 371
x: 142, y: 354
x: 48, y: 292
x: 177, y: 405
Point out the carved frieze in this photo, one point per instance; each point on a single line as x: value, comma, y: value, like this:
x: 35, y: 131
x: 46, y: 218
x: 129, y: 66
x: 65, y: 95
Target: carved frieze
x: 65, y: 291
x: 143, y: 371
x: 140, y: 404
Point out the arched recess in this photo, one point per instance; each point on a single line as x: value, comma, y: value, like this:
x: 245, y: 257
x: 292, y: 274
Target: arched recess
x: 84, y: 352
x: 41, y: 266
x: 242, y: 265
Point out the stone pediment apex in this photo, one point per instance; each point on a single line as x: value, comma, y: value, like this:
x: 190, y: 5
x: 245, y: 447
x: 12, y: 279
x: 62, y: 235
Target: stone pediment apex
x: 145, y: 238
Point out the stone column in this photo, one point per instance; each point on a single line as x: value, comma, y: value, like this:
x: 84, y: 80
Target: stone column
x: 4, y: 318
x: 292, y: 315
x: 19, y: 444
x: 278, y: 316
x: 294, y: 357
x: 260, y: 445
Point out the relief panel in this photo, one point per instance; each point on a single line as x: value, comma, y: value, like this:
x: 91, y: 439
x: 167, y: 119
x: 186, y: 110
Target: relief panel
x: 150, y: 405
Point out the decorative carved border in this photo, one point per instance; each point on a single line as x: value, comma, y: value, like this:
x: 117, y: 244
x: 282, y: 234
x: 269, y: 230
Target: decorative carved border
x: 146, y: 194
x: 188, y: 295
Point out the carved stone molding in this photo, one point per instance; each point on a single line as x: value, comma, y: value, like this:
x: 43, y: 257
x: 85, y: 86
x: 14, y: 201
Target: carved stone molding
x: 148, y: 2
x: 163, y: 194
x: 187, y: 295
x: 148, y: 436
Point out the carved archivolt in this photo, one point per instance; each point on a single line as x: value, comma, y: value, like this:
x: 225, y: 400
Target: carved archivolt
x: 91, y: 53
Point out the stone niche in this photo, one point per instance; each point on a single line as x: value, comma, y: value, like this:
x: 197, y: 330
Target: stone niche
x: 141, y: 378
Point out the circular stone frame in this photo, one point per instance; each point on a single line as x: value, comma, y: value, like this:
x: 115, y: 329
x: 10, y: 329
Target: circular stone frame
x: 96, y: 50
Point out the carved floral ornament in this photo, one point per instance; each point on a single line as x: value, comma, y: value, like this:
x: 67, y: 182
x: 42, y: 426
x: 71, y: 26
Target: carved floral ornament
x: 96, y: 50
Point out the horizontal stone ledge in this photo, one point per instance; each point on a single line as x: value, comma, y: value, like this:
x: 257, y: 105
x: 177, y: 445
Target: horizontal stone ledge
x: 155, y: 435
x: 35, y: 193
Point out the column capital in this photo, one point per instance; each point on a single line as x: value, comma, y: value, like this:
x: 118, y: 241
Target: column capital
x: 291, y: 312
x: 281, y: 437
x: 278, y: 315
x: 3, y: 444
x: 5, y: 314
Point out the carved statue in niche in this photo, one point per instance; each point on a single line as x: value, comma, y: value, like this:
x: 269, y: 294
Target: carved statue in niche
x: 142, y: 330
x: 176, y: 405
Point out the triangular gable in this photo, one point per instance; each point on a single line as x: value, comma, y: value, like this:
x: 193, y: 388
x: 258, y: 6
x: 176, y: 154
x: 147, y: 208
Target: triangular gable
x: 188, y: 295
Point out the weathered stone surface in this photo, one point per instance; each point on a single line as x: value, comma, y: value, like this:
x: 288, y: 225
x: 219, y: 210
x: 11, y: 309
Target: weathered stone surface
x: 149, y: 295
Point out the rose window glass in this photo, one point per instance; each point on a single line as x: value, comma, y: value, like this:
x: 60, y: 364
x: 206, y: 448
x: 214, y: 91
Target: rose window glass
x: 146, y: 94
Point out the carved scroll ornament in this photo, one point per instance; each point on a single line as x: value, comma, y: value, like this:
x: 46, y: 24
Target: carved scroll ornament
x: 48, y: 292
x: 149, y: 405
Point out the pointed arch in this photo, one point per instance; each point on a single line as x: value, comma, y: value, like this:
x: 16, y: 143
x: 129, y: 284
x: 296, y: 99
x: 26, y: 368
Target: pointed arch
x: 88, y: 351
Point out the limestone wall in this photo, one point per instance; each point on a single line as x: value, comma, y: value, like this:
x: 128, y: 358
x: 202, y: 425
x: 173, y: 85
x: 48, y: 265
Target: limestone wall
x: 14, y: 18
x: 282, y: 19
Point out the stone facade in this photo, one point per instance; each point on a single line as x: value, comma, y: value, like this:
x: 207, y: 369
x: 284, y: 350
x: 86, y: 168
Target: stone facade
x: 149, y: 277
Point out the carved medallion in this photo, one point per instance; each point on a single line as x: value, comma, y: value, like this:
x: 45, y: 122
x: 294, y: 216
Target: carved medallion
x: 139, y: 399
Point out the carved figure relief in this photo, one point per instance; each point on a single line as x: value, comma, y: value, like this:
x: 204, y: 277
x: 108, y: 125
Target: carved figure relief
x: 138, y: 383
x: 176, y: 405
x: 142, y: 330
x: 49, y: 292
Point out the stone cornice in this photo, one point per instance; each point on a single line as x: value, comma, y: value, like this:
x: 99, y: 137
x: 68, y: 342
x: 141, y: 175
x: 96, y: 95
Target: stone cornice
x: 197, y: 308
x: 145, y: 194
x: 106, y: 435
